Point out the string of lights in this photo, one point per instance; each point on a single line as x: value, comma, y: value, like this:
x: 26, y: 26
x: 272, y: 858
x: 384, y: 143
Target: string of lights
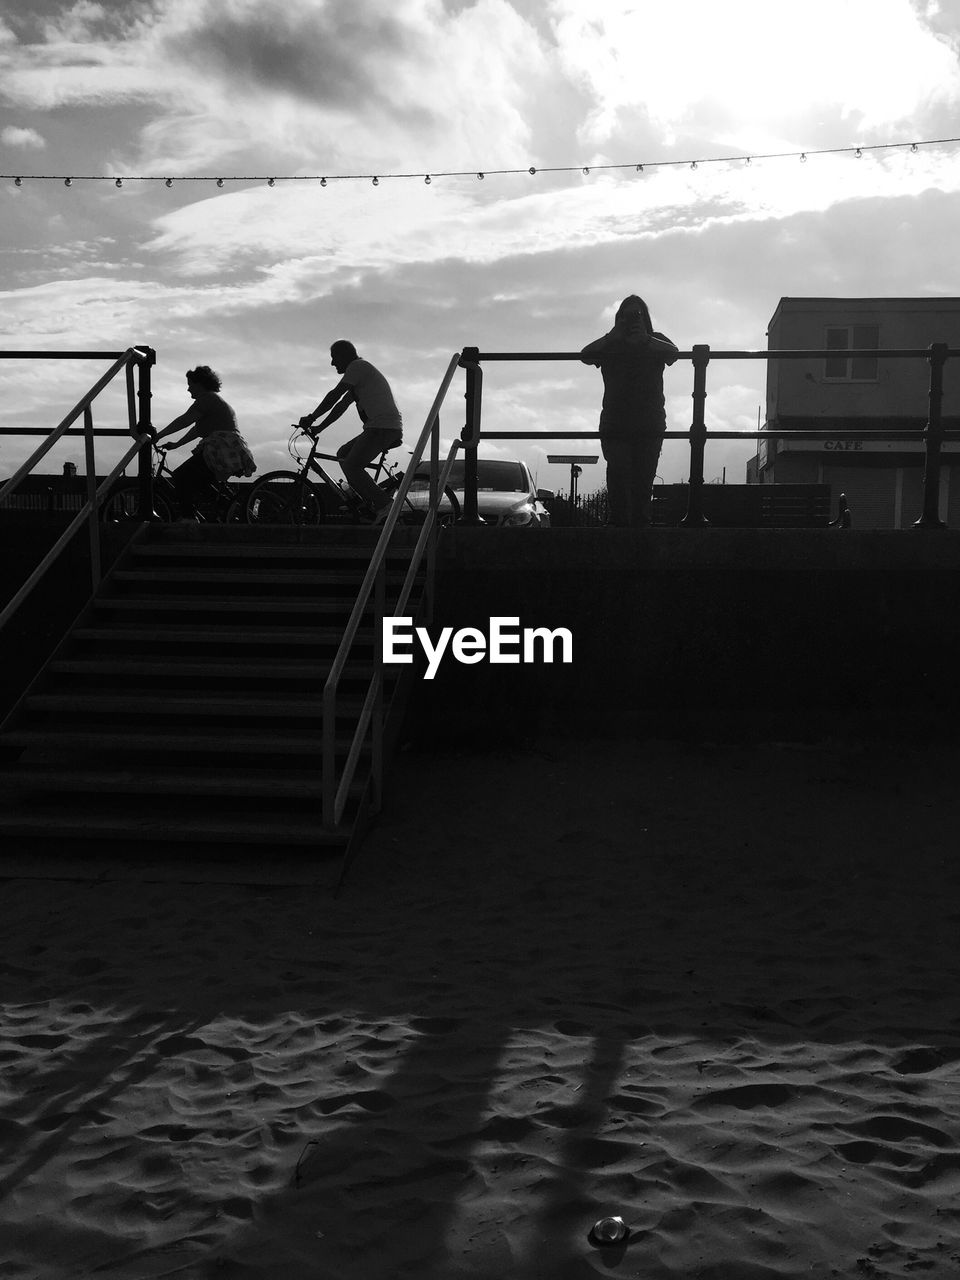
x: 376, y: 178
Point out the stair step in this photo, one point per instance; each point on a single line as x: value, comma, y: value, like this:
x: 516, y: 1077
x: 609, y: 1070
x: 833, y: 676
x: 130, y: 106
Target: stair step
x: 189, y: 740
x: 226, y: 604
x: 245, y: 784
x: 86, y: 824
x: 191, y: 550
x: 226, y: 635
x: 241, y: 577
x: 299, y: 707
x: 212, y: 667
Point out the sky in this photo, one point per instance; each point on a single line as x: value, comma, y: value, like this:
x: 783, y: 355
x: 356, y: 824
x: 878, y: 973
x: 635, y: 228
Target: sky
x: 258, y: 280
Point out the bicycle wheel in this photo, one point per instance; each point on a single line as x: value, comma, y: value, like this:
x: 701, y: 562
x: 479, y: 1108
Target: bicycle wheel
x: 283, y: 497
x: 123, y: 503
x: 220, y: 504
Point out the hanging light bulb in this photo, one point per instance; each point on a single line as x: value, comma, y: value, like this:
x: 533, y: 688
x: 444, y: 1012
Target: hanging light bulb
x: 18, y: 182
x: 376, y: 182
x: 427, y: 179
x: 586, y: 170
x: 271, y: 182
x: 119, y: 182
x: 748, y: 160
x: 219, y: 182
x: 639, y: 168
x: 531, y: 169
x: 914, y: 148
x: 693, y: 164
x: 481, y: 176
x: 803, y: 157
x: 168, y: 182
x: 859, y: 154
x: 68, y: 182
x: 323, y: 182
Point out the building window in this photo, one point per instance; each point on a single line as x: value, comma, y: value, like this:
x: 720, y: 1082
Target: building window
x: 854, y: 337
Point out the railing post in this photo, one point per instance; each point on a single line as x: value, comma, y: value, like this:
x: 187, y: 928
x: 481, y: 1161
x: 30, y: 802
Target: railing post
x: 91, y: 468
x: 933, y: 438
x: 376, y: 745
x: 698, y: 437
x: 470, y: 435
x: 435, y: 507
x: 148, y: 358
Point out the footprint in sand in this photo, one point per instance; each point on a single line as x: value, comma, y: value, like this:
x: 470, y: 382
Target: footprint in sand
x: 899, y: 1129
x: 369, y: 1100
x: 748, y: 1096
x: 435, y: 1026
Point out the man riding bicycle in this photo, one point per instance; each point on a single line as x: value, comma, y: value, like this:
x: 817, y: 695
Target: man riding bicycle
x: 361, y: 384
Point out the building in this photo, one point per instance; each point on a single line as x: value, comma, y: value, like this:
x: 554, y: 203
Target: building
x: 882, y: 480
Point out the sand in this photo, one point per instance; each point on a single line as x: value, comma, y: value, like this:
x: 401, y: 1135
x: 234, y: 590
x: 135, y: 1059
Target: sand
x: 710, y: 989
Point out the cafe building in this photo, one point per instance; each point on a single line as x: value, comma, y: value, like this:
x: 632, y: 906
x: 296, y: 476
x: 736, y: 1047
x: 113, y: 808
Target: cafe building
x: 881, y: 479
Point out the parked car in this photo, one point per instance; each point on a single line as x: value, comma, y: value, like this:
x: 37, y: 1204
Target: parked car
x: 506, y: 493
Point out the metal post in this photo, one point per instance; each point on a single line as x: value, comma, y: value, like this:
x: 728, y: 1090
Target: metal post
x: 470, y: 435
x: 91, y: 466
x: 933, y: 438
x: 698, y: 437
x: 145, y: 363
x: 379, y: 609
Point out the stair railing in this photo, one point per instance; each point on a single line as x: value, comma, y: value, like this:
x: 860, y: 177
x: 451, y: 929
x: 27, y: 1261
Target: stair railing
x: 335, y: 791
x: 140, y: 359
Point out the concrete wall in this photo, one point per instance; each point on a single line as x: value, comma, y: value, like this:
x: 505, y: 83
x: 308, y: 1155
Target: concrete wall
x: 798, y: 387
x: 716, y: 632
x: 43, y: 618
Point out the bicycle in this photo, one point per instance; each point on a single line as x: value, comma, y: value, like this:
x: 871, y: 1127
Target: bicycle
x: 293, y: 497
x: 220, y: 502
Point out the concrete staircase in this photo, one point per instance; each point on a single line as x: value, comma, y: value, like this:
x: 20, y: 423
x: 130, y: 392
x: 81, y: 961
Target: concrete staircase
x: 184, y: 707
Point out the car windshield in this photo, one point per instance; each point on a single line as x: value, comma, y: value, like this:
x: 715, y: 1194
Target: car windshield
x: 492, y: 476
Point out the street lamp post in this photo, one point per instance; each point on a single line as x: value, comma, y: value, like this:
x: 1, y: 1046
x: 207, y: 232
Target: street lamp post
x: 576, y: 461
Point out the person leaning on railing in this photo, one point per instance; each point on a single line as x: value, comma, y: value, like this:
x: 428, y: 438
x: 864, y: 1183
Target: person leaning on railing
x: 221, y: 452
x: 631, y: 359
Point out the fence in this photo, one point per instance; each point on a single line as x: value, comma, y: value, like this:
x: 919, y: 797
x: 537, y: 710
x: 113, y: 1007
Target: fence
x: 135, y: 363
x: 933, y: 435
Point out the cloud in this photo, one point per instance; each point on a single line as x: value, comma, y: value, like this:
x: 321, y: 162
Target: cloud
x: 752, y: 71
x: 288, y: 83
x: 25, y: 139
x: 316, y: 236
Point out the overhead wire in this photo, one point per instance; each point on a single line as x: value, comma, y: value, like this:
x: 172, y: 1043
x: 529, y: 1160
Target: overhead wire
x: 375, y: 179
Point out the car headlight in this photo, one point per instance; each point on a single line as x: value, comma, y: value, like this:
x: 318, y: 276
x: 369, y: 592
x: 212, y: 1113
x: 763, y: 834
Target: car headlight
x: 524, y: 514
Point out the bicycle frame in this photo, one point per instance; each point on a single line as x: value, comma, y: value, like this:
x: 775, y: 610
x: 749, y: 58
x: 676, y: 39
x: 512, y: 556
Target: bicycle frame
x: 341, y: 489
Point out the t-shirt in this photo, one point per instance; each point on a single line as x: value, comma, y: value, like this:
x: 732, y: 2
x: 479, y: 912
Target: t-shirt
x: 214, y: 414
x: 632, y: 387
x: 377, y: 407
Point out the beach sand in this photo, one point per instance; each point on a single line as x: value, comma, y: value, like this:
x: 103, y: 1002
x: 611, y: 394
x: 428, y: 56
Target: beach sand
x: 710, y: 989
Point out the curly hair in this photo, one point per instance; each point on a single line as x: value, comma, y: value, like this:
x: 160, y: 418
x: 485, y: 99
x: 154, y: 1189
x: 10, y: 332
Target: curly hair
x: 203, y: 374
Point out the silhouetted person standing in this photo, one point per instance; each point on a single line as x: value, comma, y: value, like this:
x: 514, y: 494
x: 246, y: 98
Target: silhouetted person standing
x: 631, y: 359
x: 361, y: 384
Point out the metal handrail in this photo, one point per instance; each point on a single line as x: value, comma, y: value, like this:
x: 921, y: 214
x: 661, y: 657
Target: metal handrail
x: 934, y: 434
x: 138, y: 426
x: 83, y: 403
x: 83, y: 514
x: 334, y: 795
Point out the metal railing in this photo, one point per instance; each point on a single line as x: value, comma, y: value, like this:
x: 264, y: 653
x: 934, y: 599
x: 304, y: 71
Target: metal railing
x: 136, y: 363
x: 933, y: 435
x: 336, y: 788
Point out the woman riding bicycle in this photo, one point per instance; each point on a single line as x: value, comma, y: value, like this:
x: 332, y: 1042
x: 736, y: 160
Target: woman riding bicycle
x: 221, y: 452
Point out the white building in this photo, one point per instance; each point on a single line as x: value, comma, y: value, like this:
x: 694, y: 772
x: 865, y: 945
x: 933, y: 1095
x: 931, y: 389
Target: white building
x: 882, y: 479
